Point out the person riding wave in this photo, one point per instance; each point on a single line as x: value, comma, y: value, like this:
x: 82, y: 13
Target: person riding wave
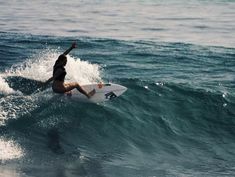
x: 59, y: 73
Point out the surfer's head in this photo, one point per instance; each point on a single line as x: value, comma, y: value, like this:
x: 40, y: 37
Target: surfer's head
x: 62, y: 60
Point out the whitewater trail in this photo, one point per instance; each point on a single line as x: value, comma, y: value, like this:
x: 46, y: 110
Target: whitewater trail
x: 39, y: 67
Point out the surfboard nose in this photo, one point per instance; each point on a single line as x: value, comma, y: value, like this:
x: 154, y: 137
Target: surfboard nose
x: 119, y: 88
x: 124, y: 88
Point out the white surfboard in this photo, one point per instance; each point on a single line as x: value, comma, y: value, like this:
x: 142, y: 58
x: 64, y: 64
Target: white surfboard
x: 103, y: 92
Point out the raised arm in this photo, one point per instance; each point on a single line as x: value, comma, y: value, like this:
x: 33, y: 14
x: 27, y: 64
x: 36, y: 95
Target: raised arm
x: 74, y: 45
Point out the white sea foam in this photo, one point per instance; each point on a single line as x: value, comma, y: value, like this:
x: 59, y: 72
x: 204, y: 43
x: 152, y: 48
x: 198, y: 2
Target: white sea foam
x: 82, y: 71
x: 9, y: 150
x: 40, y: 67
x: 4, y: 87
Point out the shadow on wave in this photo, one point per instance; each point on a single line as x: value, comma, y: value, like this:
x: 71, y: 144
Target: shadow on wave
x: 25, y: 85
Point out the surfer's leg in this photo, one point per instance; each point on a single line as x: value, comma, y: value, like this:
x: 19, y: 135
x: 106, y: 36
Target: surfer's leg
x: 73, y: 85
x: 80, y: 89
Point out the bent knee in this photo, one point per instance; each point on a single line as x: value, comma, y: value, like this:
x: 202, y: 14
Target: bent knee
x: 71, y: 86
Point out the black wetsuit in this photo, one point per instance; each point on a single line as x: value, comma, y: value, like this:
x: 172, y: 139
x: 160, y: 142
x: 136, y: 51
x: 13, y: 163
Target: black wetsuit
x: 59, y: 73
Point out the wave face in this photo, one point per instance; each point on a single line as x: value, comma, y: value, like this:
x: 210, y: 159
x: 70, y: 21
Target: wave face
x: 176, y: 118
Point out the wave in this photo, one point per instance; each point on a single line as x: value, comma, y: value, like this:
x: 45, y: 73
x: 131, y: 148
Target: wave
x: 149, y: 103
x: 178, y: 111
x: 152, y: 119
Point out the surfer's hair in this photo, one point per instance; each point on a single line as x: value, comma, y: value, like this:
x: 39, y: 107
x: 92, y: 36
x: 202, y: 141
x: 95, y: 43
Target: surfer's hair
x: 62, y: 60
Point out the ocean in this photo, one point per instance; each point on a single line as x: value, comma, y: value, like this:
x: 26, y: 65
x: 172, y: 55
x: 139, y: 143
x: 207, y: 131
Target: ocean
x: 177, y: 59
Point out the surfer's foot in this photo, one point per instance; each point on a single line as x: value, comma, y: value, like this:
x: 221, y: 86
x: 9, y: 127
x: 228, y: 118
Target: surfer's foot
x: 91, y: 93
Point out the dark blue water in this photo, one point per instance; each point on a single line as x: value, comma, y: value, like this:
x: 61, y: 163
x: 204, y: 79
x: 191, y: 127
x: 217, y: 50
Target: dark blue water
x: 176, y: 118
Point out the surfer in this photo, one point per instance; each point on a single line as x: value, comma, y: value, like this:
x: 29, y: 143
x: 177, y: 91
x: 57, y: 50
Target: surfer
x: 59, y: 73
